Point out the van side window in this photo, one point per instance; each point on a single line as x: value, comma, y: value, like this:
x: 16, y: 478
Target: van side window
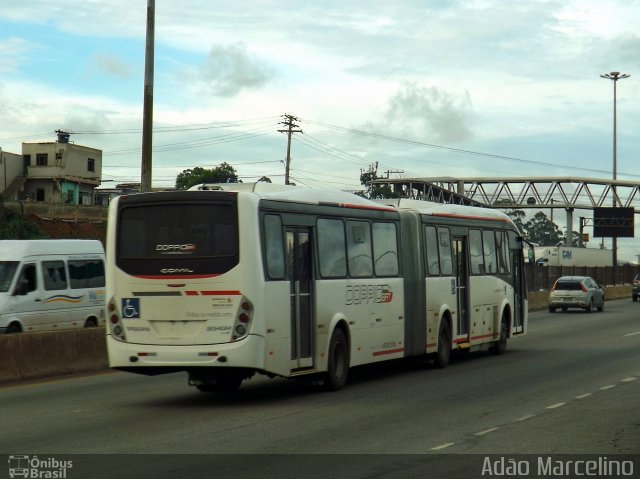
x: 54, y: 274
x: 86, y: 273
x: 27, y: 281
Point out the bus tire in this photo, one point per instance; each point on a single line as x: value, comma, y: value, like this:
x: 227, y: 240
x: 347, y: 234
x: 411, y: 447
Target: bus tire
x: 338, y: 362
x: 500, y: 346
x: 442, y: 356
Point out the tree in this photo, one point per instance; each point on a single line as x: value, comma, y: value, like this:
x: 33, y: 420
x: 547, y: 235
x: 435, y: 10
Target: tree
x: 542, y: 231
x: 224, y: 173
x: 373, y: 190
x: 517, y: 216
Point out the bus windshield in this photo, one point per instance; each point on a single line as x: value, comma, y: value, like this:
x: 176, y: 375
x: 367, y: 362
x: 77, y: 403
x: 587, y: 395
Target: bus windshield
x: 7, y: 270
x: 201, y: 238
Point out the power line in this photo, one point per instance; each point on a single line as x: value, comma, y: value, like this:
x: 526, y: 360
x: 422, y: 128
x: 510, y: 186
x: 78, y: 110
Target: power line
x: 448, y: 148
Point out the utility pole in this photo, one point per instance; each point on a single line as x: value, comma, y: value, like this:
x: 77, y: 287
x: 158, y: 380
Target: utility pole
x: 614, y: 77
x: 147, y: 115
x: 289, y: 123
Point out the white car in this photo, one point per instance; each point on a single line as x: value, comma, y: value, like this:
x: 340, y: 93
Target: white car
x: 581, y: 292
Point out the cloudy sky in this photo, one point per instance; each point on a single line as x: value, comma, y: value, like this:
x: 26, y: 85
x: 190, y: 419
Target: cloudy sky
x: 420, y: 87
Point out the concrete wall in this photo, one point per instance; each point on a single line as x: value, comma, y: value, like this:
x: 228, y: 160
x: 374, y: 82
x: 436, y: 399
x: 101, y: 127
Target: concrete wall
x: 38, y: 355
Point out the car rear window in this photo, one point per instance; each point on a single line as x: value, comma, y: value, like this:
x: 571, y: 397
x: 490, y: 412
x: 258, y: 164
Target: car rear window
x: 568, y: 285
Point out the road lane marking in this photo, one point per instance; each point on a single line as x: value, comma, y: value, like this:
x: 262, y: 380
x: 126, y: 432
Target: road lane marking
x: 632, y: 334
x: 582, y: 396
x: 443, y: 446
x: 524, y: 418
x: 486, y: 431
x: 557, y: 405
x: 628, y: 380
x: 604, y: 388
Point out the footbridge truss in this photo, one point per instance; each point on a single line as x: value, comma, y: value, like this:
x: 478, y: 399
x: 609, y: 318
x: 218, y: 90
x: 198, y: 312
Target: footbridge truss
x: 520, y: 193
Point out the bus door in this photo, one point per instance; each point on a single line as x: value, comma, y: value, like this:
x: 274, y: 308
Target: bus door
x: 519, y: 287
x: 462, y: 282
x: 300, y: 275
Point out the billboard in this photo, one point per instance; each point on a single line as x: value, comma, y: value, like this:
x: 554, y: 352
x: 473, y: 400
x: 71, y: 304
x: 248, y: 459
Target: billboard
x: 613, y: 222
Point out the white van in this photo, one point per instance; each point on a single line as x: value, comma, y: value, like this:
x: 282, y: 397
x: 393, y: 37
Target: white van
x: 51, y: 284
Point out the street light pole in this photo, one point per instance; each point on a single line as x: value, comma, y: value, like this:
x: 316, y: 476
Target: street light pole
x: 614, y: 77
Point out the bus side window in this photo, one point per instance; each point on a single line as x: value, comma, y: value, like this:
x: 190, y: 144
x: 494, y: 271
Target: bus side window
x: 359, y: 249
x: 431, y: 247
x: 385, y: 249
x: 475, y: 252
x: 446, y: 258
x: 489, y: 245
x: 331, y: 248
x: 503, y: 251
x: 274, y: 247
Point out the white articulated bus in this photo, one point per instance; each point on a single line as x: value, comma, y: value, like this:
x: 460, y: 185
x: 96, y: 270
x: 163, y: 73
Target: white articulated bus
x: 223, y: 281
x: 51, y: 284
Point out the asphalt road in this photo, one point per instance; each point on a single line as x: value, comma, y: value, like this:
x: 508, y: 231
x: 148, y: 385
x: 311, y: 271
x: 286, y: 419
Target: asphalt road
x: 571, y: 386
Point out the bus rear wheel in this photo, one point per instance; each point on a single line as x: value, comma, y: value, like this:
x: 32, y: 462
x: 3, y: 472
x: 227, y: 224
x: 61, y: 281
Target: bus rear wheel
x: 338, y: 362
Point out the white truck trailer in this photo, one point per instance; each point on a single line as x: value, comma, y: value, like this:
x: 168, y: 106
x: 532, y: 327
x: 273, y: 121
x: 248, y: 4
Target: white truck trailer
x: 572, y: 256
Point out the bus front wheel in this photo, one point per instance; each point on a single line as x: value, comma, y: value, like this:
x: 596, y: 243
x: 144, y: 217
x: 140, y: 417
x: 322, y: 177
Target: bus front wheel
x: 338, y: 361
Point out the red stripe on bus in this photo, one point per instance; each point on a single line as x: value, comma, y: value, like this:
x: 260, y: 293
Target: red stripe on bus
x: 471, y: 217
x: 367, y: 207
x: 191, y: 293
x: 484, y: 336
x: 388, y: 351
x: 172, y: 276
x: 475, y: 338
x: 220, y: 293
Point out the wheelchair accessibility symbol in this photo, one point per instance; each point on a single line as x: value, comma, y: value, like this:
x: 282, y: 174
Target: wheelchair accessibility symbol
x: 130, y: 308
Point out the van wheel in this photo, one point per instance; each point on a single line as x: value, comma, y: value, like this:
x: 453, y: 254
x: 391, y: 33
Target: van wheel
x: 90, y: 323
x: 442, y: 356
x: 338, y: 364
x: 14, y: 328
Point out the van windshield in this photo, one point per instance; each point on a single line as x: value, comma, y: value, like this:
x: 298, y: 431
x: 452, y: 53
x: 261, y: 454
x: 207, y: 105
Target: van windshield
x: 7, y: 270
